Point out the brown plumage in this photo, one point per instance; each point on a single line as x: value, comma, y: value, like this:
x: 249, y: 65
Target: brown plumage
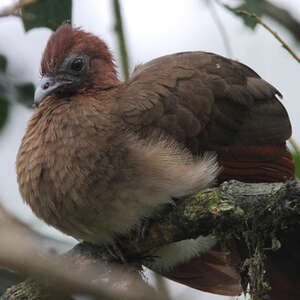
x: 100, y: 155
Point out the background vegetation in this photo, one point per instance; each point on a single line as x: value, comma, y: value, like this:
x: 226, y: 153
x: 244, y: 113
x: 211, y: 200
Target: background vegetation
x: 52, y: 13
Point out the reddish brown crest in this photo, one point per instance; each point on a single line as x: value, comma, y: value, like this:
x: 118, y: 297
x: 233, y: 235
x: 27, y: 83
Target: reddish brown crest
x: 67, y: 40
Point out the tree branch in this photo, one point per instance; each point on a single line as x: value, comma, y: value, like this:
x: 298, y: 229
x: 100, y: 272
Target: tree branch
x: 232, y: 210
x: 80, y: 271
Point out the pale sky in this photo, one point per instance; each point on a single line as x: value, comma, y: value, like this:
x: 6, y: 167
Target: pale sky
x: 154, y: 28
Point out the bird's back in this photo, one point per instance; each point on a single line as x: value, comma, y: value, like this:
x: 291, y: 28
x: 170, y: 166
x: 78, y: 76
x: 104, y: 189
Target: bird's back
x: 210, y: 103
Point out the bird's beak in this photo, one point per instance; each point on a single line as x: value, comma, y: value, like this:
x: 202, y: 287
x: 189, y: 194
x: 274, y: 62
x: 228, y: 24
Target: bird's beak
x: 45, y: 88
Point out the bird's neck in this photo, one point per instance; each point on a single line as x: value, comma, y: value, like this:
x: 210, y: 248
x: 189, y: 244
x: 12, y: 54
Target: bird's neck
x: 105, y: 76
x: 82, y: 110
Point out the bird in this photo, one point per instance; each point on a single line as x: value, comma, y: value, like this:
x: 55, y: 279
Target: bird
x: 100, y: 155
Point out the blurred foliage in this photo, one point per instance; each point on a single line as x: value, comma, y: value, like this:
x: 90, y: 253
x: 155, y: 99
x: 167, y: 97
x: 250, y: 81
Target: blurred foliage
x: 47, y: 13
x: 266, y: 8
x: 52, y: 13
x: 10, y: 92
x: 4, y: 104
x: 25, y: 93
x: 297, y: 163
x: 3, y: 63
x: 43, y: 13
x: 4, y: 110
x: 253, y: 6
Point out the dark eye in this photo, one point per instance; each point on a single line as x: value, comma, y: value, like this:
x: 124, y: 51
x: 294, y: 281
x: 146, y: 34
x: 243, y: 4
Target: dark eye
x: 77, y: 64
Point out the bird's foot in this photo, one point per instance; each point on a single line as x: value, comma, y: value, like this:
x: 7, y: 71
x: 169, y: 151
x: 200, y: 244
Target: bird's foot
x: 142, y: 229
x: 116, y: 253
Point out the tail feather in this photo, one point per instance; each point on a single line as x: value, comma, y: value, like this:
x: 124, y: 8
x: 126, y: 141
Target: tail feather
x: 211, y: 271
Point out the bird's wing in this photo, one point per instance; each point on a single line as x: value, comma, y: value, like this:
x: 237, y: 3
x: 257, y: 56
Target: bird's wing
x: 208, y: 102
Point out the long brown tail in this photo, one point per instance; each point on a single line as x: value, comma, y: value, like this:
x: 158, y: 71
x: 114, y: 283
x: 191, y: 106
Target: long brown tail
x: 211, y: 272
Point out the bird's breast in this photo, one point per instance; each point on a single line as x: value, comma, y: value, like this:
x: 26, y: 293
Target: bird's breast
x: 70, y: 173
x: 56, y: 168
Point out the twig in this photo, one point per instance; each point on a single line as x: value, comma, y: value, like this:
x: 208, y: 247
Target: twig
x: 283, y: 17
x: 258, y: 20
x: 221, y: 28
x: 121, y: 38
x: 14, y: 10
x: 285, y: 46
x: 275, y: 12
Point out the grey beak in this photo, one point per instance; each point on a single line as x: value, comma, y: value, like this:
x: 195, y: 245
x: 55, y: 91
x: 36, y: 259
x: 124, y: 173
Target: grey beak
x: 45, y: 88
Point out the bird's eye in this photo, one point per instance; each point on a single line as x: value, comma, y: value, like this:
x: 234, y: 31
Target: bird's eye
x: 77, y: 64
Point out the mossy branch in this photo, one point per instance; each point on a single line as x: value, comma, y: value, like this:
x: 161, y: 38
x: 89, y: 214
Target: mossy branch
x: 257, y: 215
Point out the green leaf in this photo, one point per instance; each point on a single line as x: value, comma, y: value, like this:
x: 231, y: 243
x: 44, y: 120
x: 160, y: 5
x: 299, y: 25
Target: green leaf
x: 9, y: 92
x: 297, y: 164
x: 47, y: 13
x: 3, y: 63
x: 25, y: 93
x: 251, y: 6
x: 4, y: 112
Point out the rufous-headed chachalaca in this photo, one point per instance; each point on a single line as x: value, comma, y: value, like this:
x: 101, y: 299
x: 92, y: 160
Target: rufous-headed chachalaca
x: 100, y: 155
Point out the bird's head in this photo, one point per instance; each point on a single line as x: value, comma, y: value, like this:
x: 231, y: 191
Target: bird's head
x: 74, y: 60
